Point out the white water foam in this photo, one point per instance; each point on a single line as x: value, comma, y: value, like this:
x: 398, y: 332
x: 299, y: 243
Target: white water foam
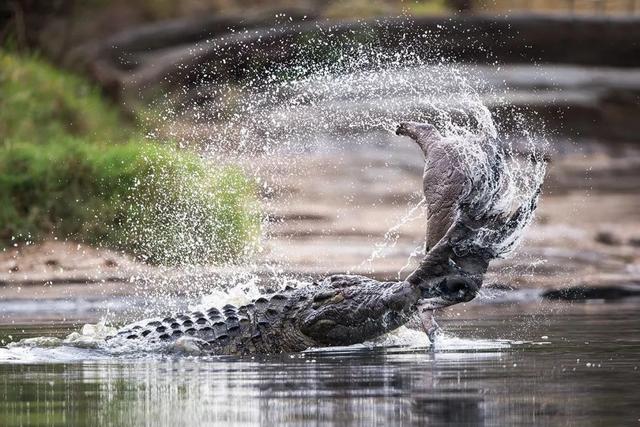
x: 91, y: 344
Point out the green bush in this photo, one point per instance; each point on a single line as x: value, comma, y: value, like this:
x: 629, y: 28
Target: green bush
x: 148, y: 199
x: 81, y: 179
x: 39, y: 103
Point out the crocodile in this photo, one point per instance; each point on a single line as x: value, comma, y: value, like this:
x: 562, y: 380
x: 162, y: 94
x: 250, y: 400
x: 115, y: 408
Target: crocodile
x: 347, y: 309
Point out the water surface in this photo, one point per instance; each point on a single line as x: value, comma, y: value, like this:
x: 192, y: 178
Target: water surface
x: 497, y: 364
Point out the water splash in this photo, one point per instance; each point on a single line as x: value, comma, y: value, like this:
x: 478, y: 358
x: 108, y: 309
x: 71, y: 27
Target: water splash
x: 361, y: 91
x: 339, y: 90
x: 390, y: 238
x: 363, y: 88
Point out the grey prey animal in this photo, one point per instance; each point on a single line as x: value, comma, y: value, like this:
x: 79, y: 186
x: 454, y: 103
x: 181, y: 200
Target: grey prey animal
x: 444, y: 183
x: 443, y: 180
x: 348, y: 309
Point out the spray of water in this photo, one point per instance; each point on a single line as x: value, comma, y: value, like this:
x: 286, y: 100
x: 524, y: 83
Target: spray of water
x: 337, y: 92
x: 355, y: 91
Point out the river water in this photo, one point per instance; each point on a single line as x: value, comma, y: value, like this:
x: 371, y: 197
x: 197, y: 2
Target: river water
x: 496, y: 364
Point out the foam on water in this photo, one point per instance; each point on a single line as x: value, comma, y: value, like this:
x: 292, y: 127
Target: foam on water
x: 90, y: 344
x: 443, y: 341
x: 410, y: 340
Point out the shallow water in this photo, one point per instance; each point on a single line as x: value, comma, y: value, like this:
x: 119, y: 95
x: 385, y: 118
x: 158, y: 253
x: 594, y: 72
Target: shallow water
x: 498, y: 364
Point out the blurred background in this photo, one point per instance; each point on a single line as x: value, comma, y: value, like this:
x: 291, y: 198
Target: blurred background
x: 128, y: 125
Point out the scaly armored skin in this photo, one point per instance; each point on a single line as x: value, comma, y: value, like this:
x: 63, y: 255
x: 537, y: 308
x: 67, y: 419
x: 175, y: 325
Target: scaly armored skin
x: 349, y: 309
x: 340, y: 310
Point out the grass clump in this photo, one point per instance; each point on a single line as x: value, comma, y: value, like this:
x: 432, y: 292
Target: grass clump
x: 69, y: 168
x: 40, y: 104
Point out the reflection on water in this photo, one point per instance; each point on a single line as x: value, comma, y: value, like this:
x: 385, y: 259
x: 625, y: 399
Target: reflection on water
x: 579, y: 366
